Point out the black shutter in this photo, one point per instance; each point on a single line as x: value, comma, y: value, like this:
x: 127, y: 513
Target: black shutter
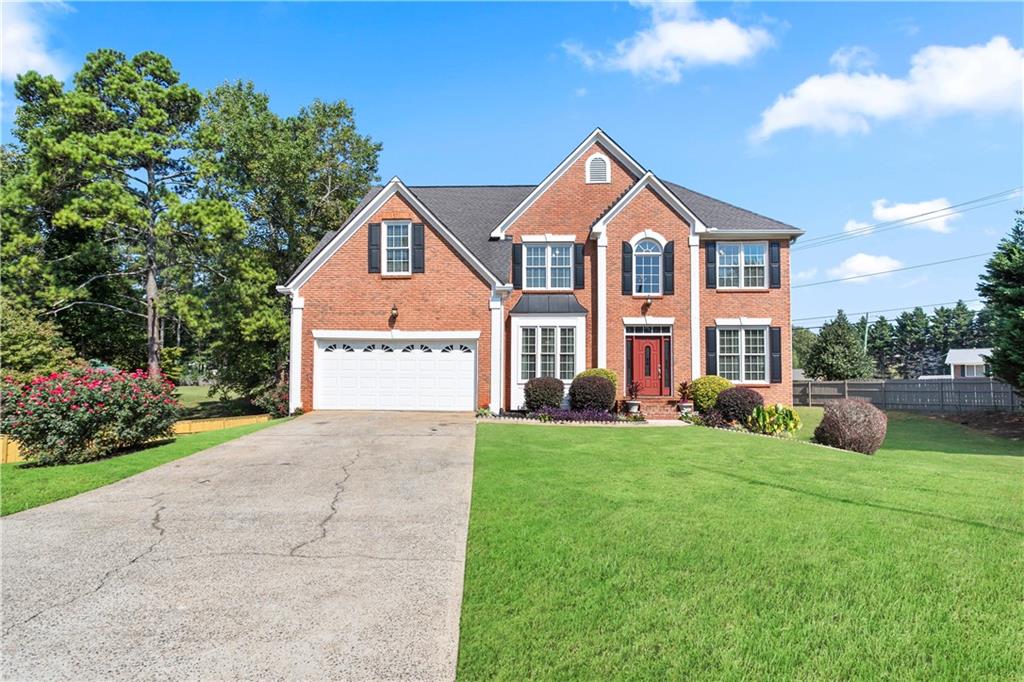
x: 373, y: 248
x: 774, y: 266
x: 629, y: 365
x: 627, y: 269
x: 666, y: 360
x: 711, y: 350
x: 517, y: 266
x: 668, y: 259
x: 417, y: 247
x: 577, y: 266
x: 709, y: 266
x: 775, y: 354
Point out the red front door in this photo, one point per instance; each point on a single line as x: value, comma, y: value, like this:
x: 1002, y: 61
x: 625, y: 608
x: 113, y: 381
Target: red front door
x: 647, y: 365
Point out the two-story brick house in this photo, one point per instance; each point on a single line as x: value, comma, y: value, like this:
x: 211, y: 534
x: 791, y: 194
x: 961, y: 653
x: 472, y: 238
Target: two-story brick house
x: 450, y: 298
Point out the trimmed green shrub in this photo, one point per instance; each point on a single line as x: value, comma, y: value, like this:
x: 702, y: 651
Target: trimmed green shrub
x: 601, y: 372
x: 544, y: 392
x: 852, y: 424
x: 81, y: 415
x: 704, y: 391
x: 737, y: 404
x: 591, y: 393
x: 774, y: 420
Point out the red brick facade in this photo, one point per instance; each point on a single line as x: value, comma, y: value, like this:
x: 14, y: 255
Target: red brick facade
x: 448, y: 295
x: 451, y: 296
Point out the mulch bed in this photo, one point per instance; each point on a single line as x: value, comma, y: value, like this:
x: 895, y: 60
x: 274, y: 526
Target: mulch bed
x: 1006, y: 424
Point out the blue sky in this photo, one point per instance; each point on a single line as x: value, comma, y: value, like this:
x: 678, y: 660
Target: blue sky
x: 887, y: 109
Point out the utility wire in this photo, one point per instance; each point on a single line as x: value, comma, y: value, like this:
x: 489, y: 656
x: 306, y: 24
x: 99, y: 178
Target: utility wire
x: 946, y: 212
x: 889, y: 310
x: 885, y: 272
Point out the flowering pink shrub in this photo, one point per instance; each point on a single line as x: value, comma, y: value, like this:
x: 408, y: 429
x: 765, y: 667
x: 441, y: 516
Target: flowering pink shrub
x: 79, y: 415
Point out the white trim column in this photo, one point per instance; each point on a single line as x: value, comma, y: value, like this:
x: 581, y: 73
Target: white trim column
x: 497, y: 305
x: 695, y: 330
x: 295, y: 354
x: 601, y: 320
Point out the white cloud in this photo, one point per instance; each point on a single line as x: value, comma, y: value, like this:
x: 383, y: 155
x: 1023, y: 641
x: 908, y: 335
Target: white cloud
x: 884, y: 211
x: 806, y: 274
x: 580, y: 92
x: 677, y: 39
x: 942, y: 80
x: 861, y: 264
x: 852, y: 58
x: 24, y: 37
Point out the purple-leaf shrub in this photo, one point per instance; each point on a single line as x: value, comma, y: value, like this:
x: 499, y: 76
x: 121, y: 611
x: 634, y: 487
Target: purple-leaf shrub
x: 84, y: 414
x: 558, y: 414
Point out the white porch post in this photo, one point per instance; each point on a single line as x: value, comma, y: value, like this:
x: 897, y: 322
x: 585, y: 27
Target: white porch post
x: 295, y: 355
x: 497, y: 350
x: 695, y: 330
x: 602, y: 301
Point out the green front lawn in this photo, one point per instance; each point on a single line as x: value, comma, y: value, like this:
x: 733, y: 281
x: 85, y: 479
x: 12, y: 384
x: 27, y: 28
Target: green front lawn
x: 601, y: 553
x: 25, y: 486
x: 197, y: 403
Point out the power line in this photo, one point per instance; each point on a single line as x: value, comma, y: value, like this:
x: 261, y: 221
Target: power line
x: 885, y: 272
x: 889, y: 310
x: 869, y: 312
x: 946, y: 211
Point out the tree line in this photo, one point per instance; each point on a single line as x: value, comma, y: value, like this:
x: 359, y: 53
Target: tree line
x: 916, y: 343
x: 146, y: 224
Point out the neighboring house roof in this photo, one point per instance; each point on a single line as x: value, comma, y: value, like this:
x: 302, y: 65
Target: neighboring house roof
x: 798, y: 374
x: 547, y: 304
x: 967, y: 356
x: 473, y: 212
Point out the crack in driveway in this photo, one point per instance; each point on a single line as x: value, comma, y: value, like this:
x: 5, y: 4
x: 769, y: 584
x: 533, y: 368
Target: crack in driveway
x: 154, y: 524
x: 322, y: 525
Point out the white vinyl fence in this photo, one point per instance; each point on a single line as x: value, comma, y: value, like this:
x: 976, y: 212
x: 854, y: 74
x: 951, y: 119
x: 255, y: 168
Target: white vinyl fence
x: 934, y: 395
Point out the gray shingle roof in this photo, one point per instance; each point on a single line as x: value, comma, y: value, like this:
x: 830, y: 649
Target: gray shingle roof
x: 472, y: 211
x: 547, y: 304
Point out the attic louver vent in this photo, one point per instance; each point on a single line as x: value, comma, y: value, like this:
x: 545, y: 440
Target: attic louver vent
x: 597, y: 169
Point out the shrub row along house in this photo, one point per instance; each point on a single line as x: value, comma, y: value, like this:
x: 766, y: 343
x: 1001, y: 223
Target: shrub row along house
x: 452, y: 298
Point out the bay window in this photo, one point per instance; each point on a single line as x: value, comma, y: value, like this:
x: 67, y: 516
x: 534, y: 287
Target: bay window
x: 743, y: 354
x: 548, y: 266
x: 742, y: 265
x: 547, y: 352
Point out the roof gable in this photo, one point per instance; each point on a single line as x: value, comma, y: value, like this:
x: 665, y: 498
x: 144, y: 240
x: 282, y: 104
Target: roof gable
x: 596, y: 137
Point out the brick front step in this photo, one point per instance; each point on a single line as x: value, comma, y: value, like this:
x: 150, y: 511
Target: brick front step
x: 659, y: 408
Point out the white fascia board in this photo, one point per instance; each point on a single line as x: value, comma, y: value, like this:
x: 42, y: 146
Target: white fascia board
x: 743, y: 321
x: 395, y: 186
x: 597, y: 136
x: 648, y: 180
x: 715, y: 234
x: 395, y: 334
x: 640, y: 321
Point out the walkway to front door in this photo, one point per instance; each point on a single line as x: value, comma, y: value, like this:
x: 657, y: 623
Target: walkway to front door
x: 648, y: 358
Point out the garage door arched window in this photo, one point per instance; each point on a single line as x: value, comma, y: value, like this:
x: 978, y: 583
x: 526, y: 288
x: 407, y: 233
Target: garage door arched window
x: 647, y: 267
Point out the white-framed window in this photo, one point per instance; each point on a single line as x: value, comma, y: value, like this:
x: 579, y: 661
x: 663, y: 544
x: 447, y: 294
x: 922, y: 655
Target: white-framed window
x: 547, y: 266
x: 397, y: 245
x: 647, y: 267
x: 599, y: 170
x: 743, y: 354
x: 547, y: 352
x: 742, y: 265
x: 973, y: 371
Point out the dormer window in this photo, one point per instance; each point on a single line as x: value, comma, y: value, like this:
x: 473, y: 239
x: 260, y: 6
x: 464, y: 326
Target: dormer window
x: 599, y: 170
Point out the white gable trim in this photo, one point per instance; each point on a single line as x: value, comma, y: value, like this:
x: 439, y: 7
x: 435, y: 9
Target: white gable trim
x: 395, y: 186
x: 598, y: 136
x: 648, y: 180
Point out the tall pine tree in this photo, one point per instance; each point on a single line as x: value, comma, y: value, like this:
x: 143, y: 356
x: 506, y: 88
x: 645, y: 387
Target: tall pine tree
x: 880, y: 348
x: 838, y: 353
x: 1002, y: 287
x: 911, y: 343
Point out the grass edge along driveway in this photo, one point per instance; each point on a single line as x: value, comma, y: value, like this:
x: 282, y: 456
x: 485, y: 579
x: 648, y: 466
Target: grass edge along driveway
x: 24, y: 487
x: 681, y: 553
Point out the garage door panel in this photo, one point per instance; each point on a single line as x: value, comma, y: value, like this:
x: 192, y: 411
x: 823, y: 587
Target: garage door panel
x: 418, y: 375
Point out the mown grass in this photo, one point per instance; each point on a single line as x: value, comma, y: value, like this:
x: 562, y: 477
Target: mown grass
x: 23, y: 486
x: 674, y: 553
x: 197, y: 403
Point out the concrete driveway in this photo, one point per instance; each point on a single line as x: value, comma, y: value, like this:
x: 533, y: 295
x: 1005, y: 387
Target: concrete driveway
x: 329, y: 547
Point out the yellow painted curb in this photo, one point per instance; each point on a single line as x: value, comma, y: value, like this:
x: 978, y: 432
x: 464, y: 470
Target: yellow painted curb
x: 9, y: 451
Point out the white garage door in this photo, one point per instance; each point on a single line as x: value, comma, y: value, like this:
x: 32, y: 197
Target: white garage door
x: 394, y: 375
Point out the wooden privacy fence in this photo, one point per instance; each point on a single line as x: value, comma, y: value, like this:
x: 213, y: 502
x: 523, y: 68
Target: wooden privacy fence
x: 9, y: 448
x: 934, y: 395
